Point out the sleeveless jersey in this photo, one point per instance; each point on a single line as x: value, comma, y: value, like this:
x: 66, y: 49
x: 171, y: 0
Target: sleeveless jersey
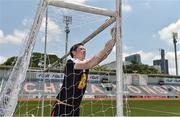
x: 72, y: 89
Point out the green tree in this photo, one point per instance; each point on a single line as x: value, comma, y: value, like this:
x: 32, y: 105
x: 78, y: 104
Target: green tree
x: 10, y: 61
x: 140, y: 68
x: 35, y: 60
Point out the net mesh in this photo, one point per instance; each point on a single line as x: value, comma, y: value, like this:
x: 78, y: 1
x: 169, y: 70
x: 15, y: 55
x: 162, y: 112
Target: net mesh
x: 99, y: 97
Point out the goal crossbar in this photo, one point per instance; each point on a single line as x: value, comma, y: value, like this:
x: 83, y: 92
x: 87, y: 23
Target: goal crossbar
x: 82, y: 7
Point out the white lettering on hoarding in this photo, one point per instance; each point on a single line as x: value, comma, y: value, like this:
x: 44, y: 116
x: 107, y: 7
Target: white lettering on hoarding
x: 176, y: 88
x: 50, y: 75
x: 148, y: 89
x: 95, y: 89
x: 60, y: 76
x: 134, y: 89
x: 93, y: 77
x: 50, y: 88
x: 160, y: 90
x: 30, y: 87
x: 171, y: 81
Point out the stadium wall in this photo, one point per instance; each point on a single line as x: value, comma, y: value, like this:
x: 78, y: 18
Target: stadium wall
x: 135, y: 85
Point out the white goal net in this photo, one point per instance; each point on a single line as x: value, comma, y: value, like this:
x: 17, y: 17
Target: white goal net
x: 37, y: 83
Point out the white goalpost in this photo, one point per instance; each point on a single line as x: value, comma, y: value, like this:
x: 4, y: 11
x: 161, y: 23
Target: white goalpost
x: 119, y: 62
x: 9, y: 95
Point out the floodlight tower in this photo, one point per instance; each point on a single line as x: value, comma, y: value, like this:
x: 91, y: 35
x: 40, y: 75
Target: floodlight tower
x: 67, y: 20
x: 175, y: 36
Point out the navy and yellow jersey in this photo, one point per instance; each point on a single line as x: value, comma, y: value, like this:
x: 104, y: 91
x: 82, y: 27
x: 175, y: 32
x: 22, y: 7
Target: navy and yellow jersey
x: 74, y: 84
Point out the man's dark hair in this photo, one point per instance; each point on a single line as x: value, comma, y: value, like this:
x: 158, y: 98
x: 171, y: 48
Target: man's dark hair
x: 74, y: 47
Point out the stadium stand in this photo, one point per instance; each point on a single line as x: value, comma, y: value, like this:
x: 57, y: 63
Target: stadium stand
x: 99, y: 85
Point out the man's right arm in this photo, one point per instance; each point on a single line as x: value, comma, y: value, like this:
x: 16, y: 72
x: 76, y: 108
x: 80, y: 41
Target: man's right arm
x: 95, y: 60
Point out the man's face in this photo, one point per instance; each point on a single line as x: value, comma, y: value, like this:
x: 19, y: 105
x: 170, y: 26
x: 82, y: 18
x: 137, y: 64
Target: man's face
x: 80, y: 52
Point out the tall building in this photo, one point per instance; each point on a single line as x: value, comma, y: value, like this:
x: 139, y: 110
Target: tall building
x: 134, y: 58
x: 163, y: 63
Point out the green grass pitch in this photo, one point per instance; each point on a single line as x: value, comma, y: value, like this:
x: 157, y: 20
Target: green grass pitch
x: 106, y: 108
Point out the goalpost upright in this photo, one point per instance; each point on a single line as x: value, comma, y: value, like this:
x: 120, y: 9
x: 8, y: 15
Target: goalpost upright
x: 119, y: 62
